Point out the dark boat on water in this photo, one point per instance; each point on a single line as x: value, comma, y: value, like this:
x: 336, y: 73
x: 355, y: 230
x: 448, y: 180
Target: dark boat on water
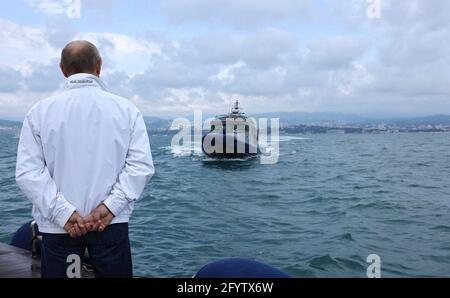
x: 233, y: 135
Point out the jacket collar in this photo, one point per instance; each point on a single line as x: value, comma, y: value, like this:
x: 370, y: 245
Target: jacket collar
x: 81, y: 80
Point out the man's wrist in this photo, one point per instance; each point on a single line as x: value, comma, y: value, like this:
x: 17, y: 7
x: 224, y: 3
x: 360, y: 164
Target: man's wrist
x: 116, y: 204
x: 109, y: 210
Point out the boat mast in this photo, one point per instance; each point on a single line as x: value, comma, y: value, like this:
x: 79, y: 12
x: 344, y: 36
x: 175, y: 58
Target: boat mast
x: 236, y: 109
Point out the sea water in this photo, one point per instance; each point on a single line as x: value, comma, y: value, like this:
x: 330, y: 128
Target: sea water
x: 329, y: 202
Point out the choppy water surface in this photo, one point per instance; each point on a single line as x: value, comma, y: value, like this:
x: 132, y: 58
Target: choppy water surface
x: 330, y: 202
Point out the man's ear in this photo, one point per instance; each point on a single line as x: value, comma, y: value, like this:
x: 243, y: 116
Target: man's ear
x: 98, y: 69
x: 63, y: 71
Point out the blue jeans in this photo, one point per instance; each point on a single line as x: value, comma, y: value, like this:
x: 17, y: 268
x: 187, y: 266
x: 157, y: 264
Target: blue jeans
x: 109, y: 253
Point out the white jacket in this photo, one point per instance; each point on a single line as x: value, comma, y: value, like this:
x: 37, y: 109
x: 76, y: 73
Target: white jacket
x: 80, y: 148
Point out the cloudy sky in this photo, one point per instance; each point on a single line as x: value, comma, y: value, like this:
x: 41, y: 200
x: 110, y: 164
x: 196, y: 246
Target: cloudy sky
x: 174, y: 56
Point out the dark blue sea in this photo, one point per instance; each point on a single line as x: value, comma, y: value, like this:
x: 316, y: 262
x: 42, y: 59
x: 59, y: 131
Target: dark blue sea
x: 329, y: 202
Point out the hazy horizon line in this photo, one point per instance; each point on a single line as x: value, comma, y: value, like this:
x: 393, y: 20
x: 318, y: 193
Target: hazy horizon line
x: 374, y: 116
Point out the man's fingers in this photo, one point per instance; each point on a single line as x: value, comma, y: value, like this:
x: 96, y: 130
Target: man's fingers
x: 95, y: 221
x: 88, y: 219
x: 72, y: 232
x: 78, y: 226
x: 95, y: 216
x: 81, y: 225
x: 89, y: 227
x: 83, y: 230
x: 106, y: 221
x: 95, y: 225
x: 103, y: 224
x: 80, y: 222
x: 88, y: 223
x: 70, y: 229
x: 77, y: 230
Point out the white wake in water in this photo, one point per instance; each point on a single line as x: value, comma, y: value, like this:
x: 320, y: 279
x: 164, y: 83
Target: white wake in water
x: 194, y: 149
x: 190, y: 149
x: 292, y: 138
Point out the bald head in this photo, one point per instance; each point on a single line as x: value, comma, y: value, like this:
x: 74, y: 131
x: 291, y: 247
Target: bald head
x: 80, y: 56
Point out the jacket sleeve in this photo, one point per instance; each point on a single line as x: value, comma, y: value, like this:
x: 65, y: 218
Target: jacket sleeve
x: 136, y: 173
x: 34, y: 179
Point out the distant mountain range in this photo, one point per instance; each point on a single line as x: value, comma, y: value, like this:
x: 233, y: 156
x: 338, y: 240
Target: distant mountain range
x: 334, y: 118
x: 153, y: 123
x: 297, y: 118
x: 305, y: 118
x: 414, y: 121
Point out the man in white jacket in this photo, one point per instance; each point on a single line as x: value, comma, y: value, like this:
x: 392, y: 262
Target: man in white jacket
x: 83, y: 160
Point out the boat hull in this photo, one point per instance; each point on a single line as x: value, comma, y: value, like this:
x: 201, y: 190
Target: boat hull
x: 232, y: 146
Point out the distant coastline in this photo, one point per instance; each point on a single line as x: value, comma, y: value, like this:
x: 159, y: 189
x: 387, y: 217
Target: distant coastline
x: 310, y: 123
x: 322, y: 123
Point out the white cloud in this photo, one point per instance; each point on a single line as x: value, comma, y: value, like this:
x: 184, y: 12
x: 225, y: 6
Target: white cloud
x: 23, y: 43
x: 49, y: 7
x: 243, y: 14
x: 9, y: 79
x: 122, y: 52
x: 30, y: 61
x: 262, y: 52
x: 336, y: 52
